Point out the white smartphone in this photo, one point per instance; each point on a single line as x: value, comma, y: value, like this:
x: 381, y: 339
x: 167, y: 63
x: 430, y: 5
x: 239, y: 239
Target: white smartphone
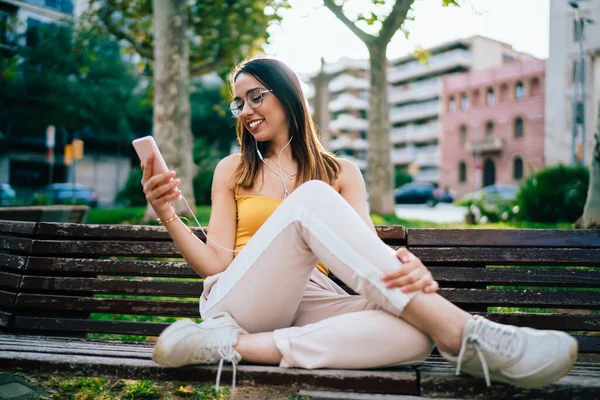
x: 146, y: 145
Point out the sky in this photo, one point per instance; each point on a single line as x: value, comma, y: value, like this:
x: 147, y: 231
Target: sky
x: 310, y: 31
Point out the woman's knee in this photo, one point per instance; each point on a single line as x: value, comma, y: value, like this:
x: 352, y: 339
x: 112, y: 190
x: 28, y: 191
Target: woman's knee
x: 313, y: 190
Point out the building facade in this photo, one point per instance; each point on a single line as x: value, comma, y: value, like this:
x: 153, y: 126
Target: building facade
x: 493, y: 126
x: 415, y: 92
x: 562, y: 90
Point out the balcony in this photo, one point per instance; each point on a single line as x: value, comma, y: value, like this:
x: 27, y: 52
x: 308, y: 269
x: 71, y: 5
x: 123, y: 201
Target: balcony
x: 414, y: 111
x: 415, y: 133
x: 403, y: 156
x: 490, y: 144
x: 345, y: 82
x: 349, y: 122
x: 436, y: 63
x: 348, y: 102
x: 417, y: 91
x: 345, y: 142
x: 428, y: 156
x: 429, y: 175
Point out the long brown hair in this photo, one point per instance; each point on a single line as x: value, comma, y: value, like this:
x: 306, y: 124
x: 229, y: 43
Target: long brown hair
x: 314, y: 162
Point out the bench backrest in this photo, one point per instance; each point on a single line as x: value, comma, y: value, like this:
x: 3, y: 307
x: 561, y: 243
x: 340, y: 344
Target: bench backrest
x: 75, y: 279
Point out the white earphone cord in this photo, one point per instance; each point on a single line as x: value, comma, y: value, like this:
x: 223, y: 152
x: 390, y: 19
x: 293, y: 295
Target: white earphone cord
x: 285, y: 194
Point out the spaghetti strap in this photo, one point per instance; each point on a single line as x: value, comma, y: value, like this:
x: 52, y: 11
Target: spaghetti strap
x: 237, y: 189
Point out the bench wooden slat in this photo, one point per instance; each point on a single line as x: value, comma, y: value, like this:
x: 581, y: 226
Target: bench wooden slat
x: 523, y: 298
x: 518, y: 276
x: 105, y: 231
x: 7, y: 299
x: 111, y: 306
x: 9, y: 281
x: 540, y: 321
x: 26, y: 228
x: 5, y: 319
x: 65, y: 265
x: 508, y: 255
x: 16, y: 244
x: 98, y: 248
x: 504, y: 238
x: 11, y: 261
x: 116, y: 286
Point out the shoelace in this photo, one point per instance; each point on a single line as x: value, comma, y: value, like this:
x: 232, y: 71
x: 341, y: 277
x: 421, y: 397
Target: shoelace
x: 501, y: 337
x: 227, y: 353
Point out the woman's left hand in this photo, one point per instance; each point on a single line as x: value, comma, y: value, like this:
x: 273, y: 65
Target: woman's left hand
x: 411, y: 276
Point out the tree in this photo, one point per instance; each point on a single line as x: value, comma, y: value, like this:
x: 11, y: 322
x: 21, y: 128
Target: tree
x: 84, y: 81
x: 379, y: 171
x: 189, y: 39
x: 591, y: 211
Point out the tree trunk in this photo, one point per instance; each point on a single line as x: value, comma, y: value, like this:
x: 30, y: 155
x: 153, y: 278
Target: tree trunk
x: 379, y: 172
x: 171, y: 129
x: 591, y: 212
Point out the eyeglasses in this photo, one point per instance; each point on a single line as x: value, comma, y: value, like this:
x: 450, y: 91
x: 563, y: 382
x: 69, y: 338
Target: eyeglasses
x: 254, y: 98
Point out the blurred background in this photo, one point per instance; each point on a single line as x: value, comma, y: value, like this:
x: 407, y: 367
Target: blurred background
x: 491, y: 106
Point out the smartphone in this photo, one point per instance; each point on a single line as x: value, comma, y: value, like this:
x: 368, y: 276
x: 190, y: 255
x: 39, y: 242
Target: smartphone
x: 146, y: 145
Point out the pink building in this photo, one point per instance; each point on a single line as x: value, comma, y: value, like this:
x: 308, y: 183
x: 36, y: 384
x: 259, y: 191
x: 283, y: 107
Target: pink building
x: 492, y: 119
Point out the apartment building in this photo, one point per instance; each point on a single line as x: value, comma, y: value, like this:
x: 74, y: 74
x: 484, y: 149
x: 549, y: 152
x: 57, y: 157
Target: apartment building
x: 415, y: 91
x: 493, y: 126
x: 562, y: 89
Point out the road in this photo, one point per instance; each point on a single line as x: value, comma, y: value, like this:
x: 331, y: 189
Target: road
x: 443, y: 212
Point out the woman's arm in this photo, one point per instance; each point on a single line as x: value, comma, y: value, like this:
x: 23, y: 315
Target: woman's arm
x: 204, y: 259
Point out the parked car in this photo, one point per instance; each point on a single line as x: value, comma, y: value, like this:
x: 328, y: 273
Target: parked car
x: 416, y: 193
x: 65, y: 193
x: 8, y: 196
x: 495, y: 195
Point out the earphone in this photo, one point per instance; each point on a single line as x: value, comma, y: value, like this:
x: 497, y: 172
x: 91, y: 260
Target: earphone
x: 285, y: 192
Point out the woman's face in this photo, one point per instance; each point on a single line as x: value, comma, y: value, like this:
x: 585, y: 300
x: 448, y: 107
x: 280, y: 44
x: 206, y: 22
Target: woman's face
x: 267, y: 120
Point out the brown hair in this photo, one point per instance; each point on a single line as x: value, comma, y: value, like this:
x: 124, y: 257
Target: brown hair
x: 314, y: 162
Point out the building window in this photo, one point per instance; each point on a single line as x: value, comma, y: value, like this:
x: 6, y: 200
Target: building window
x: 519, y: 91
x: 576, y: 29
x: 451, y: 104
x: 508, y: 58
x: 3, y: 27
x: 518, y: 127
x: 489, y: 129
x: 475, y: 98
x: 464, y: 101
x: 518, y: 168
x: 490, y: 97
x: 575, y: 73
x: 462, y: 134
x: 32, y: 36
x: 462, y: 172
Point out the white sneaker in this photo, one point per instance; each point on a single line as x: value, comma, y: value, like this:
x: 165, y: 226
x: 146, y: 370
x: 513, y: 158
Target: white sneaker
x: 523, y: 357
x: 186, y: 342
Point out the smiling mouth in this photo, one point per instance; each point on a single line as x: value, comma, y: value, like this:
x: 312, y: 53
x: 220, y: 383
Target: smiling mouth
x: 255, y: 124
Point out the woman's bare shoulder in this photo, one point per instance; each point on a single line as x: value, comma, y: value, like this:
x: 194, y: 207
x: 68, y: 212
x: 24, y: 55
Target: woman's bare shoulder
x: 349, y: 174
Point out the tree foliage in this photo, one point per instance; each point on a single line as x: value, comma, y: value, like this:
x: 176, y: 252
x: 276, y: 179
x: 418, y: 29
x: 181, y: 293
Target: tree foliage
x: 222, y: 32
x: 75, y: 81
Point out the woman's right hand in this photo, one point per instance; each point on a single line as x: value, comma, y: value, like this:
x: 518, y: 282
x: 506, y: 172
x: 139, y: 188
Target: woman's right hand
x: 160, y: 190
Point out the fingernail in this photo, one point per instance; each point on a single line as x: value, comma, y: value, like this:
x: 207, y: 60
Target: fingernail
x: 405, y: 258
x: 172, y: 173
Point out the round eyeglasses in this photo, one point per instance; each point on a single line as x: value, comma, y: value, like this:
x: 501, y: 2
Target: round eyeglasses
x: 254, y: 98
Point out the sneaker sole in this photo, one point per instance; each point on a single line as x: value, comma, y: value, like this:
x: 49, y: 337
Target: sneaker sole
x: 158, y: 355
x: 573, y: 351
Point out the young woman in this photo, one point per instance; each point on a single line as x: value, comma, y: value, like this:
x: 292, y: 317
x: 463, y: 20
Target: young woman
x: 284, y: 213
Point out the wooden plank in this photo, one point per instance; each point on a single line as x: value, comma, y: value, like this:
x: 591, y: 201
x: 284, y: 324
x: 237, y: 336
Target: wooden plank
x: 563, y: 322
x: 26, y: 301
x: 15, y: 244
x: 39, y: 284
x: 9, y: 281
x: 392, y: 234
x: 7, y: 299
x: 90, y: 326
x: 65, y: 265
x: 99, y: 248
x: 5, y: 319
x: 518, y: 276
x: 63, y: 231
x: 401, y: 381
x: 508, y: 255
x: 11, y: 261
x: 523, y: 298
x: 441, y: 382
x: 584, y: 238
x: 22, y: 228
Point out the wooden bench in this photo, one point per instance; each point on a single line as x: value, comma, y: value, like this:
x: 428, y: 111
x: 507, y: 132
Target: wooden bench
x: 60, y: 283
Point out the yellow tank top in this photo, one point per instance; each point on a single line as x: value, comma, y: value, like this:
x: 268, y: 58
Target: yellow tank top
x: 252, y: 212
